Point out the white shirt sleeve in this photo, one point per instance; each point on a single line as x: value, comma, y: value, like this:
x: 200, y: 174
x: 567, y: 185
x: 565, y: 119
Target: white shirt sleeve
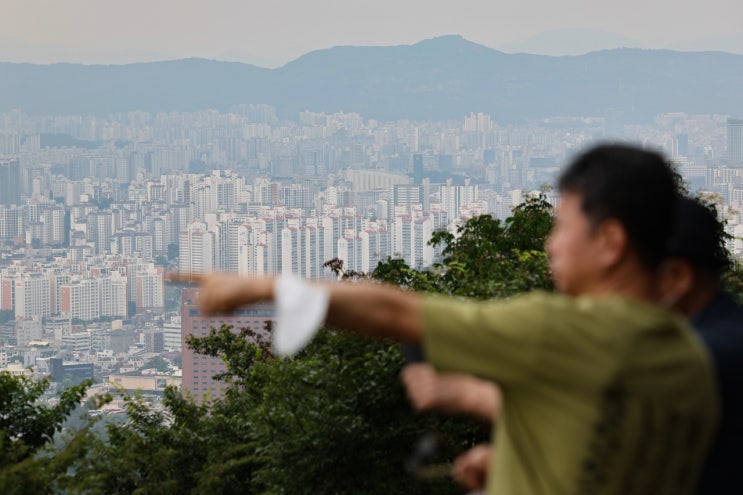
x: 300, y: 312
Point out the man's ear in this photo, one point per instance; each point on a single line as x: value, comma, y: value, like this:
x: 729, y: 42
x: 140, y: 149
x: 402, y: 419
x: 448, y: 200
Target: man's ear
x: 613, y: 242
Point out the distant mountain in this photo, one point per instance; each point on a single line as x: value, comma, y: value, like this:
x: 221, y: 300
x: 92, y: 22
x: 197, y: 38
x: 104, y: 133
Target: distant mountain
x: 732, y: 43
x: 560, y: 42
x: 440, y: 78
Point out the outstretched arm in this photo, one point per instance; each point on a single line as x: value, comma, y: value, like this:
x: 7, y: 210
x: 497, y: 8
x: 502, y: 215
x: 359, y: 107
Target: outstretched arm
x: 452, y: 393
x: 372, y: 309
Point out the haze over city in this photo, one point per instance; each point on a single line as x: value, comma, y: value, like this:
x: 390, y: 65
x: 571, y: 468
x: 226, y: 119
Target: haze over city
x: 270, y: 34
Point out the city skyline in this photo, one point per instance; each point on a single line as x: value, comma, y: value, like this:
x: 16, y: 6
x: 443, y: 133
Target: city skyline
x: 272, y: 34
x: 89, y: 224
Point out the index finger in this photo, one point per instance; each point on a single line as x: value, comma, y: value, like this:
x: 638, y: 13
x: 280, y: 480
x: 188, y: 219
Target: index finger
x: 185, y: 277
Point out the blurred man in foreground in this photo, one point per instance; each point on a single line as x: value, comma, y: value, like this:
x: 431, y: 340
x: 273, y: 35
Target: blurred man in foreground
x: 604, y: 392
x: 691, y: 278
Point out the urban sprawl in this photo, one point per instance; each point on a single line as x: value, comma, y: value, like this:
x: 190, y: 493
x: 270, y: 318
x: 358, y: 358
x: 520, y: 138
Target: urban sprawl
x: 94, y: 210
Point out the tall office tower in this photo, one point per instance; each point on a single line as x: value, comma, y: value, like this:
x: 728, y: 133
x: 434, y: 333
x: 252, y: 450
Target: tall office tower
x: 199, y: 369
x: 735, y: 140
x: 197, y: 250
x: 100, y: 226
x: 32, y: 296
x: 10, y: 181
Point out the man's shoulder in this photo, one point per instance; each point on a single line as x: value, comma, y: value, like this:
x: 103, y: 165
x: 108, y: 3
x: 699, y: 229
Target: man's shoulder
x: 624, y: 310
x: 723, y: 310
x: 720, y: 325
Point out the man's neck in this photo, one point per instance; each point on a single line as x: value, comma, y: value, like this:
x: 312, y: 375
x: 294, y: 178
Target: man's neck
x: 630, y: 280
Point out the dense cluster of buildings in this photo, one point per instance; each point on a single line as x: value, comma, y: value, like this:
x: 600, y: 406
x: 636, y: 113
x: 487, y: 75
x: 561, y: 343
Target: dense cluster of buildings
x: 94, y: 210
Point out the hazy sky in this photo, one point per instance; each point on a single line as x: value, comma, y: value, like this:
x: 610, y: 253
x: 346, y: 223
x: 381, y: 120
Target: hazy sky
x: 276, y: 31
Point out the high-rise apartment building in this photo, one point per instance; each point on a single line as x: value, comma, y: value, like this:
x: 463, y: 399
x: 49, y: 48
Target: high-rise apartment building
x: 32, y: 296
x: 197, y: 250
x: 735, y: 140
x: 314, y: 249
x: 113, y: 297
x: 172, y: 334
x: 455, y: 197
x: 54, y: 232
x: 10, y: 181
x: 407, y: 195
x: 100, y: 230
x: 410, y: 239
x: 150, y: 291
x: 376, y: 246
x: 81, y: 299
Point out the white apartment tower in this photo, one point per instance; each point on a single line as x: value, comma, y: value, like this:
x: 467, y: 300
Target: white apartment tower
x: 32, y: 296
x: 455, y: 197
x: 197, y: 250
x: 150, y: 292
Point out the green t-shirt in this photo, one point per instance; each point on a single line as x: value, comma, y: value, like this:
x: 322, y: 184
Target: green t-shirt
x: 600, y: 395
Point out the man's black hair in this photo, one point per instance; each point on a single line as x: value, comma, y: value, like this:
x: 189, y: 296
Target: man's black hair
x: 699, y: 237
x: 634, y: 186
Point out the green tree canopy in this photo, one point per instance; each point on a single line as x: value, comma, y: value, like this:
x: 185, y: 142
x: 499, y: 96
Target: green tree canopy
x: 333, y: 419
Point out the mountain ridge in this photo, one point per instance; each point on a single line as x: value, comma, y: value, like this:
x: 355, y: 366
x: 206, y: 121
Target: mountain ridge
x: 439, y: 78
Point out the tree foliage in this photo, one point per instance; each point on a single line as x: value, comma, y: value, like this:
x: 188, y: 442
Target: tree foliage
x: 27, y: 428
x: 486, y: 258
x: 331, y: 420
